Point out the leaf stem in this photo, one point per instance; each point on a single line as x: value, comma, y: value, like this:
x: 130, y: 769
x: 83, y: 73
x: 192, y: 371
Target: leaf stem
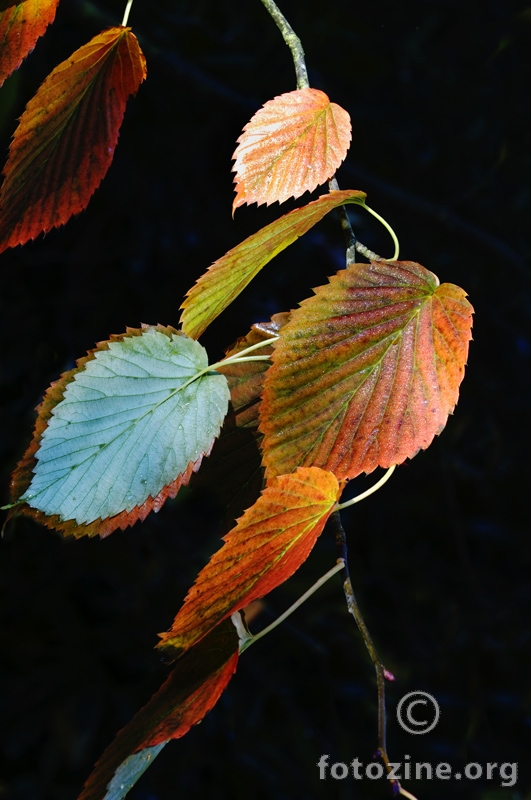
x: 235, y: 360
x: 242, y: 355
x: 363, y: 495
x: 292, y: 41
x: 126, y: 13
x: 388, y: 228
x: 246, y: 639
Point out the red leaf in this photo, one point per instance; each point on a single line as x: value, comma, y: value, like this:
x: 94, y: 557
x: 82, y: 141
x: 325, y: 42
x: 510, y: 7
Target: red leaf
x: 272, y: 539
x: 191, y: 690
x: 365, y: 372
x: 21, y: 24
x: 67, y: 135
x: 291, y: 145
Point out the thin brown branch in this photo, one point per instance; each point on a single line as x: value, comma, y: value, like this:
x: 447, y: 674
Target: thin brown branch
x: 299, y: 62
x: 382, y: 674
x: 292, y: 41
x: 352, y: 605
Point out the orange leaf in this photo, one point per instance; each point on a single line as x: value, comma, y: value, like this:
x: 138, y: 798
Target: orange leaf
x: 291, y: 145
x: 21, y: 24
x: 67, y: 135
x: 268, y: 544
x: 191, y: 690
x: 365, y: 372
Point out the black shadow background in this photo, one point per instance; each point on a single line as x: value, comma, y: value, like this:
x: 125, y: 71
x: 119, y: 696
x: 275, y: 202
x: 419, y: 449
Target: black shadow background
x: 438, y: 91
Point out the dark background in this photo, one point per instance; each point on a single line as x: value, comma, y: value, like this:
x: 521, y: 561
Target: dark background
x: 438, y: 91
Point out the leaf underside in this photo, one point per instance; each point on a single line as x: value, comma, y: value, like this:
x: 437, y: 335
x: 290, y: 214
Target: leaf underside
x: 67, y: 135
x: 293, y: 144
x: 227, y: 277
x: 122, y: 432
x: 191, y: 690
x: 21, y: 24
x: 366, y: 371
x: 269, y: 543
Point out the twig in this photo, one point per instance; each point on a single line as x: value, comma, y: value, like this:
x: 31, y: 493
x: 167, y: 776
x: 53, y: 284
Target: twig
x: 292, y: 41
x: 299, y: 62
x: 350, y: 237
x: 381, y: 672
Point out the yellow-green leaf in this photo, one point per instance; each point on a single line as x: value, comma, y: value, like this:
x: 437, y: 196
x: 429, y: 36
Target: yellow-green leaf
x: 230, y: 274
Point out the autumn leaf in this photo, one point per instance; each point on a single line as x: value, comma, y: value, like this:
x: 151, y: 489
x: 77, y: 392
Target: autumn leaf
x: 230, y: 274
x: 272, y: 539
x: 192, y: 689
x: 246, y: 379
x: 291, y: 145
x: 233, y: 472
x: 366, y: 371
x: 21, y: 24
x: 121, y: 432
x: 67, y: 135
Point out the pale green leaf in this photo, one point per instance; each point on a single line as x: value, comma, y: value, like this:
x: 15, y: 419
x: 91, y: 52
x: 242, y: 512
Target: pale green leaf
x: 132, y: 420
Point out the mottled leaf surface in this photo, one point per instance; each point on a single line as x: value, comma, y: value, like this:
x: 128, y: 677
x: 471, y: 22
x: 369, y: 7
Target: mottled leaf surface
x: 192, y: 689
x: 271, y: 540
x: 124, y: 429
x: 366, y: 371
x: 227, y: 277
x: 66, y: 137
x: 294, y: 143
x: 21, y: 24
